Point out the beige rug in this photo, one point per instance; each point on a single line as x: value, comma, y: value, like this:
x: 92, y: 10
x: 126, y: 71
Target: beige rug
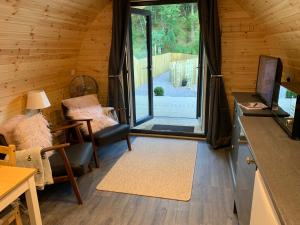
x: 156, y: 167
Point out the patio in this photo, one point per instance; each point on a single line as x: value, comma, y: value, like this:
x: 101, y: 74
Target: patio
x: 177, y: 102
x: 177, y: 106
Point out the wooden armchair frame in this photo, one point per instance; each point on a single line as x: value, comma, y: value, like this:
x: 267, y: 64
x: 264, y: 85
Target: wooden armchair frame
x: 88, y: 121
x: 109, y: 111
x: 61, y: 149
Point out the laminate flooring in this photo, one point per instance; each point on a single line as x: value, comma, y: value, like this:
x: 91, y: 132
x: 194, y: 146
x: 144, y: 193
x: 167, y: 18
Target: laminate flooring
x: 211, y: 202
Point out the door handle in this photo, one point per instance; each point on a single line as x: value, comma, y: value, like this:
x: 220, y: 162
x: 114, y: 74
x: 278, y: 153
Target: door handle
x: 250, y: 160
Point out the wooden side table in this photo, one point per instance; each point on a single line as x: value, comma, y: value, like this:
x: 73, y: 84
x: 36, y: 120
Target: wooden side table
x: 14, y: 181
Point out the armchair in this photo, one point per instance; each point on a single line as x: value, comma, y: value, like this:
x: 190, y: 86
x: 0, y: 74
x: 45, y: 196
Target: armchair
x: 67, y: 161
x: 99, y: 138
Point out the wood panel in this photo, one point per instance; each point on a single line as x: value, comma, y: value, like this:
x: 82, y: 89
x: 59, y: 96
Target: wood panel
x: 280, y: 21
x: 38, y: 48
x: 94, y: 53
x: 242, y: 43
x: 39, y: 45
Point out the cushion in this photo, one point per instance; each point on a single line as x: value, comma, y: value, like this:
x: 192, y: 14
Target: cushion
x: 81, y: 102
x: 7, y: 128
x: 99, y: 122
x: 33, y: 132
x: 111, y: 134
x: 79, y: 156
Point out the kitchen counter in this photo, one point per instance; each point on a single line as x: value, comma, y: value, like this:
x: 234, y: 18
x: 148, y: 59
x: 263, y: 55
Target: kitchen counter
x: 243, y: 97
x: 278, y: 158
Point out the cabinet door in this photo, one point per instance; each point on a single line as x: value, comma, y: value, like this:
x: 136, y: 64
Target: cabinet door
x: 262, y: 211
x: 236, y: 130
x: 245, y: 175
x: 235, y: 144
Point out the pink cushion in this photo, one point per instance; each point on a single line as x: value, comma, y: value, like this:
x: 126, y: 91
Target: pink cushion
x: 99, y: 122
x: 81, y: 102
x: 33, y: 132
x: 7, y: 128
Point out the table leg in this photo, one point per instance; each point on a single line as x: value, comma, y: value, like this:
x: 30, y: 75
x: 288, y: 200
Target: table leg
x: 33, y: 204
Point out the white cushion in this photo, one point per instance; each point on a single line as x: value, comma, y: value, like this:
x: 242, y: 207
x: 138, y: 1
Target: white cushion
x: 33, y: 132
x: 7, y: 128
x: 81, y: 102
x: 99, y: 122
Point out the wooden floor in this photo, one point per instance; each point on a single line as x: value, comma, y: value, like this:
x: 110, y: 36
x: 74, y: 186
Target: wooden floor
x: 211, y: 202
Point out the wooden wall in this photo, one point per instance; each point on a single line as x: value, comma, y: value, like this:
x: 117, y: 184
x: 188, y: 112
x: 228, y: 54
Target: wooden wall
x: 94, y: 53
x: 41, y: 42
x: 242, y: 43
x: 39, y: 45
x: 280, y: 20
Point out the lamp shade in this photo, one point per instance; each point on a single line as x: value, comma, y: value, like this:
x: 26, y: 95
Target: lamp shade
x: 37, y: 100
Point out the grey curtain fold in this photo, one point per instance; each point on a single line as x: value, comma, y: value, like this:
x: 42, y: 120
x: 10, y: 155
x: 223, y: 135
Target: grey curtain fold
x: 120, y: 24
x: 219, y: 121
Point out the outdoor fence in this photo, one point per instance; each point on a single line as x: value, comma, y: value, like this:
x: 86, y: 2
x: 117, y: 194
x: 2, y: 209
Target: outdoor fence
x: 184, y: 71
x: 181, y: 66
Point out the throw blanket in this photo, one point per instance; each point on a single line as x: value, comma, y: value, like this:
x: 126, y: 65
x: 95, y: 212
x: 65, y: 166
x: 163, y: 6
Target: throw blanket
x: 33, y: 158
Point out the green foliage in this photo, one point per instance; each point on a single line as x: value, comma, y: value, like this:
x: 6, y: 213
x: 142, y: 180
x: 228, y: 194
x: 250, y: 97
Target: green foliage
x: 175, y: 29
x: 159, y: 91
x: 290, y: 94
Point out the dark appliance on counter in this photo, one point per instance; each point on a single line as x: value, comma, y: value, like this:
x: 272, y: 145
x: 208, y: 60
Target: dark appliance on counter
x: 286, y: 108
x: 269, y: 72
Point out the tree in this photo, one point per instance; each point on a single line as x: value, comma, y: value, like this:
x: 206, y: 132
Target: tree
x: 175, y: 28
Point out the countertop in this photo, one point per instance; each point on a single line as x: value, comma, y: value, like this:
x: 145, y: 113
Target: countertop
x: 243, y: 97
x: 278, y: 159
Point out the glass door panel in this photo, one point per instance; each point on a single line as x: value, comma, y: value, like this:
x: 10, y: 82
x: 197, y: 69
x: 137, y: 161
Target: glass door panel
x: 141, y: 58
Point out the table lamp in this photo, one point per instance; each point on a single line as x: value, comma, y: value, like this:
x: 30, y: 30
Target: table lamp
x: 37, y: 100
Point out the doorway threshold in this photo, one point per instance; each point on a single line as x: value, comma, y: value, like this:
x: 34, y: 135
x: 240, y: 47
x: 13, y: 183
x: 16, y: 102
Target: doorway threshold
x: 174, y: 126
x: 149, y: 133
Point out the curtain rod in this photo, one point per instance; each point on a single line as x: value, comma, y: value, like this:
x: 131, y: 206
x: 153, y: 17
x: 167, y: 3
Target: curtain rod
x: 163, y: 1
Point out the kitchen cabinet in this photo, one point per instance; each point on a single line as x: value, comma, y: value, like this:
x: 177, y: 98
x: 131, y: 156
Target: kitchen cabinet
x: 245, y: 176
x: 262, y: 212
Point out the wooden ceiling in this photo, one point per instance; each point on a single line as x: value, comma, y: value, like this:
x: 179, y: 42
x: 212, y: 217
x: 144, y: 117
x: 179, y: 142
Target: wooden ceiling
x: 280, y: 22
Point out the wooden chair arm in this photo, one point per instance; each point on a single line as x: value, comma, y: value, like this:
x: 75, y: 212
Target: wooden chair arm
x: 78, y: 120
x: 55, y: 147
x: 89, y: 126
x: 65, y: 127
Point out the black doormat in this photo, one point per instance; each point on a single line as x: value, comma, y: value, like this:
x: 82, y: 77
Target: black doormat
x: 172, y: 128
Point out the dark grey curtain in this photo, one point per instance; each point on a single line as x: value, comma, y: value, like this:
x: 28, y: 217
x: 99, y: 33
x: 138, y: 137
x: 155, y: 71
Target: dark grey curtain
x: 116, y: 71
x: 219, y: 121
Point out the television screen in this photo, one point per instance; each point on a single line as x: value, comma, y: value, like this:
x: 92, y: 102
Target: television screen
x: 269, y: 72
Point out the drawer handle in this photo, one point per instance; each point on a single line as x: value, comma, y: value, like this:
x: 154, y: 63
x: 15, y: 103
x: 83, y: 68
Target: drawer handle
x: 249, y: 160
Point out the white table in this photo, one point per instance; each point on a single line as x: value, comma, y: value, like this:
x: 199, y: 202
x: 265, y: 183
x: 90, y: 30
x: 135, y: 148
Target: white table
x: 14, y: 181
